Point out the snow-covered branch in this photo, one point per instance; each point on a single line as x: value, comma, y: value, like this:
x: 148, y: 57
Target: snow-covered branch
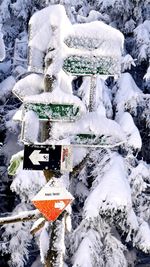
x: 21, y: 217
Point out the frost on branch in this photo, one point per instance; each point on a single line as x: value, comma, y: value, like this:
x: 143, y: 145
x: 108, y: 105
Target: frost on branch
x: 2, y: 46
x: 16, y: 240
x: 142, y: 35
x: 127, y: 62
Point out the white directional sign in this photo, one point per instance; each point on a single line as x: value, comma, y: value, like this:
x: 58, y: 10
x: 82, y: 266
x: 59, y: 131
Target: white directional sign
x: 36, y: 157
x: 52, y: 200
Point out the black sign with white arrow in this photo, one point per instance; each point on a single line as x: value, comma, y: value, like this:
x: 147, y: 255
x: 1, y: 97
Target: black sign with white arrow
x: 42, y: 157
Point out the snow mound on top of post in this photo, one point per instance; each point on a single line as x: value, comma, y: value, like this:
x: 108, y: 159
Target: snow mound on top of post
x: 44, y: 22
x: 52, y: 22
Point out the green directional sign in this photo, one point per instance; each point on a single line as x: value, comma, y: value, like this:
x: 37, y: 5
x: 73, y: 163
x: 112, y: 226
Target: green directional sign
x: 91, y: 140
x: 56, y: 112
x: 91, y: 65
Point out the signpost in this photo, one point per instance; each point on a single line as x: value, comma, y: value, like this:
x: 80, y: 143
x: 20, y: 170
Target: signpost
x: 93, y: 140
x: 52, y: 200
x: 47, y: 157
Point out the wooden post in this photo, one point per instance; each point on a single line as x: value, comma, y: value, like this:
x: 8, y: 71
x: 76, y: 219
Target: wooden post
x: 92, y: 96
x: 54, y: 257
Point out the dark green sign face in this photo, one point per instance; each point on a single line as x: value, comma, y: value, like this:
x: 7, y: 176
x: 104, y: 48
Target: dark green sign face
x: 91, y: 140
x: 66, y: 112
x: 91, y: 65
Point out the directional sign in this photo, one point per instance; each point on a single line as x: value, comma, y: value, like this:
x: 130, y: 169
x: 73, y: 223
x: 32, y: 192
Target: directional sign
x: 40, y: 157
x: 91, y: 65
x: 55, y: 112
x: 92, y: 140
x: 52, y: 200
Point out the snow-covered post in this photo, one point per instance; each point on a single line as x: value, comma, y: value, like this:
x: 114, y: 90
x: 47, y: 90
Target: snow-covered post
x: 92, y: 95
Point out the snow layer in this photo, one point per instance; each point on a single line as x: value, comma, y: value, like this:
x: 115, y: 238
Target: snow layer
x: 113, y: 191
x: 128, y: 93
x: 30, y: 85
x: 30, y: 127
x: 112, y: 40
x: 142, y: 239
x: 42, y: 31
x: 6, y: 87
x: 27, y: 183
x: 132, y: 133
x: 100, y: 125
x: 2, y: 46
x: 44, y: 244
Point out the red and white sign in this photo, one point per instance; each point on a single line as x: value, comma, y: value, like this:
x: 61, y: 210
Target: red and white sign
x: 52, y: 200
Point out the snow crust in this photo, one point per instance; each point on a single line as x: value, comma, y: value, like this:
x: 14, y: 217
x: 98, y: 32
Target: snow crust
x: 27, y: 183
x: 30, y: 85
x: 95, y: 123
x: 18, y: 115
x: 29, y: 132
x: 2, y: 46
x: 142, y: 239
x: 44, y: 244
x: 128, y: 93
x: 6, y: 87
x: 42, y: 35
x: 112, y: 40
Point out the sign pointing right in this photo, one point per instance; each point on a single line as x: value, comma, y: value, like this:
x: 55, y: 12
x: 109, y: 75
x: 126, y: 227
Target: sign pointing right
x: 59, y: 205
x: 52, y: 200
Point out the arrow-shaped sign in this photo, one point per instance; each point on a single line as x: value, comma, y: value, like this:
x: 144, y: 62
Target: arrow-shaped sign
x: 60, y: 205
x: 52, y: 200
x: 36, y: 157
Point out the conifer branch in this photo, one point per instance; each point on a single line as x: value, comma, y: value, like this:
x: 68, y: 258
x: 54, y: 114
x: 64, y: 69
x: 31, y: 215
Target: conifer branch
x: 21, y: 217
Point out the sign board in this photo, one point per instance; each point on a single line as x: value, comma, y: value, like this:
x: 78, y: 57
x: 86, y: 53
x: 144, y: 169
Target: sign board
x: 91, y: 65
x: 54, y: 112
x: 47, y: 157
x: 92, y: 140
x: 52, y: 200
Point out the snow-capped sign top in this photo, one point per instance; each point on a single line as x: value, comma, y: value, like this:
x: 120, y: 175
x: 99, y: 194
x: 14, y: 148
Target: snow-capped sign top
x: 44, y: 22
x: 96, y: 36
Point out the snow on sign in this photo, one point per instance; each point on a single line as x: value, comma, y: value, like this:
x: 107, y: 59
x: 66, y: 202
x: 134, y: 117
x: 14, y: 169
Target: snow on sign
x: 52, y: 200
x: 93, y: 49
x: 91, y: 65
x: 54, y: 112
x: 40, y: 157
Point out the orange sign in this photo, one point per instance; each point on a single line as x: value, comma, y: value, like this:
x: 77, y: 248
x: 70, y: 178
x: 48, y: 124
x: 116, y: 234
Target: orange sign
x: 52, y: 200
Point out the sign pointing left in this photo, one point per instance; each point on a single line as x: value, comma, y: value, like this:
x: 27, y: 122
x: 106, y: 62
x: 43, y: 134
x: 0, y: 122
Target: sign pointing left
x: 41, y: 157
x: 36, y: 157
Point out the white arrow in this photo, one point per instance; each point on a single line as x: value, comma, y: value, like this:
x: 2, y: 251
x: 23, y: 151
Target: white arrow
x: 35, y: 157
x: 60, y: 205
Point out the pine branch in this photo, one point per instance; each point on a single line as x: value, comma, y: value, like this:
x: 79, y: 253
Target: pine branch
x: 21, y: 217
x: 79, y: 167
